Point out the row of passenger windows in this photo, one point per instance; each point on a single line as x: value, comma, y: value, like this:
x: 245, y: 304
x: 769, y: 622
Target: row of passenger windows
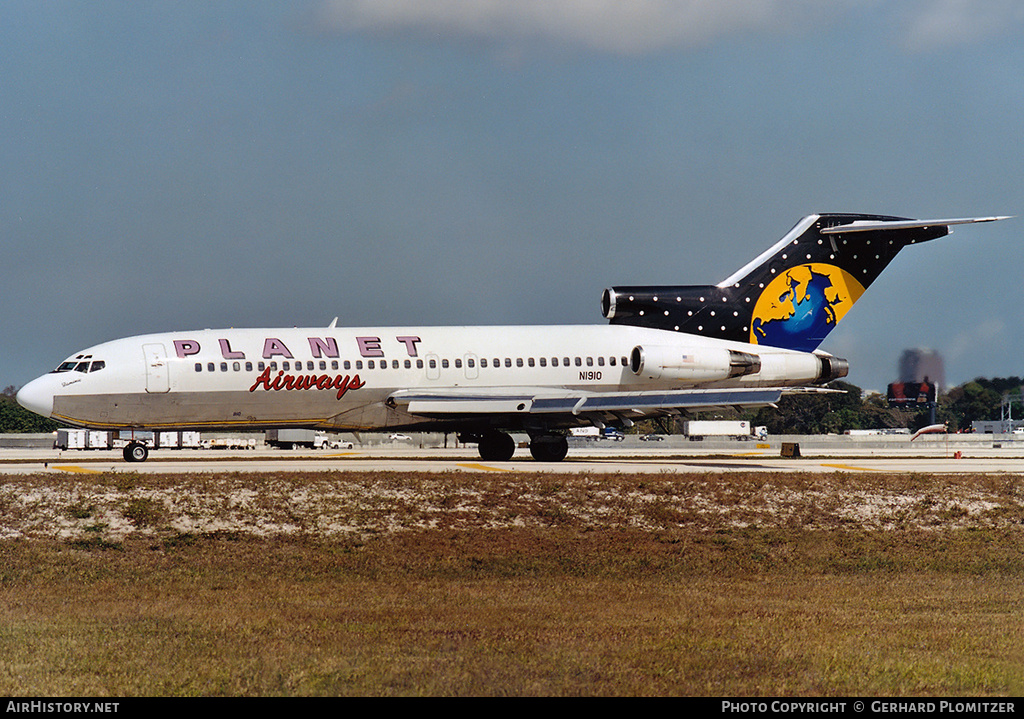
x: 470, y: 362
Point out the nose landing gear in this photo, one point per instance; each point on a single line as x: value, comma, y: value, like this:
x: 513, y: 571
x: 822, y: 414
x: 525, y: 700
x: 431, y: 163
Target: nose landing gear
x: 136, y: 452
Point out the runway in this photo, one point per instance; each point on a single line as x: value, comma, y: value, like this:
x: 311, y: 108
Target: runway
x: 934, y: 457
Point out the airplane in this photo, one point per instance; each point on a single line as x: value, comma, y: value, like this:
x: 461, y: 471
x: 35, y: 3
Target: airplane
x: 666, y: 350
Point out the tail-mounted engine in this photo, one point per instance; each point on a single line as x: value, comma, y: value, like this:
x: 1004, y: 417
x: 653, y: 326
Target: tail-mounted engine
x: 700, y: 365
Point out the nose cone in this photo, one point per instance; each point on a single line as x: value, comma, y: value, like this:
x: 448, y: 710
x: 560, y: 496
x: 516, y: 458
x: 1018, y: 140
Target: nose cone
x: 37, y: 396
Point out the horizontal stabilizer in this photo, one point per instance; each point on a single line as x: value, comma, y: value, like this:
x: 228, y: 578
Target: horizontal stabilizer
x: 873, y: 226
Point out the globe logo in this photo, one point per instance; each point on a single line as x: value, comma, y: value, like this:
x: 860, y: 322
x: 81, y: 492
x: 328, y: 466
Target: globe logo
x: 802, y: 305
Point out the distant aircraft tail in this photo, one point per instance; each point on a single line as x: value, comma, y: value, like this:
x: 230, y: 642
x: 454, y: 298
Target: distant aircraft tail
x: 793, y: 294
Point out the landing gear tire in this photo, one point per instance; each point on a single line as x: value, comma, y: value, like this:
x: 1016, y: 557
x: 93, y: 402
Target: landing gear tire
x: 496, y: 447
x: 549, y: 448
x: 136, y: 452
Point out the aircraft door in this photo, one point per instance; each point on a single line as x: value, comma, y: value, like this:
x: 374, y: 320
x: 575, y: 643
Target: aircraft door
x: 433, y: 366
x: 157, y: 375
x: 472, y: 372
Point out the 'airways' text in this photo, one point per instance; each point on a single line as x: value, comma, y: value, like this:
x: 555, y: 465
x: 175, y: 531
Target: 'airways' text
x: 342, y: 383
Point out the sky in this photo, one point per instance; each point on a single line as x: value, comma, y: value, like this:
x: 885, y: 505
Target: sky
x: 176, y: 165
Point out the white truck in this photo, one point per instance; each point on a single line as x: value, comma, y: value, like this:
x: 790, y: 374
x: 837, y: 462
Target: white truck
x: 307, y: 438
x: 595, y: 433
x: 697, y: 430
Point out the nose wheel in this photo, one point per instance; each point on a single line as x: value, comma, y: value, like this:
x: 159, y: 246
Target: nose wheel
x: 136, y: 452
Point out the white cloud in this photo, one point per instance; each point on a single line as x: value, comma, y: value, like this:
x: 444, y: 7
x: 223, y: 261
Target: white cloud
x: 637, y: 26
x: 934, y: 24
x: 611, y: 25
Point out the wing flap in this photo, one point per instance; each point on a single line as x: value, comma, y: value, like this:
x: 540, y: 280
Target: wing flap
x: 436, y: 407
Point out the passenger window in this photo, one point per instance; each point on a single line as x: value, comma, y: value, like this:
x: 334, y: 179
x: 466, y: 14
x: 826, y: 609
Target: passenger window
x: 359, y: 364
x: 458, y: 363
x: 554, y: 361
x: 483, y: 362
x: 261, y: 366
x: 286, y: 366
x: 248, y: 366
x: 223, y: 366
x: 444, y: 363
x: 590, y: 361
x: 323, y: 364
x: 236, y: 366
x: 408, y: 364
x: 471, y: 362
x: 433, y: 364
x: 419, y: 364
x: 211, y: 367
x: 519, y: 361
x: 530, y: 362
x: 334, y: 364
x: 348, y: 364
x: 543, y: 361
x: 370, y: 364
x: 199, y: 366
x: 579, y: 362
x: 508, y: 361
x: 611, y: 361
x: 600, y: 361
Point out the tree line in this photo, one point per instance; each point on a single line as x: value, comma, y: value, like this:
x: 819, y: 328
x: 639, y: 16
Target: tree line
x: 977, y: 400
x: 14, y: 418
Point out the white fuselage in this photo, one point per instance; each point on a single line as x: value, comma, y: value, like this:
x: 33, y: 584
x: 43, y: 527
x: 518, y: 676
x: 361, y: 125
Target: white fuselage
x: 342, y: 378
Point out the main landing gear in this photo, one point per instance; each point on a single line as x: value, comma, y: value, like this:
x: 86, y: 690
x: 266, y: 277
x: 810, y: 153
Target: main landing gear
x: 499, y: 446
x: 549, y: 447
x: 136, y: 452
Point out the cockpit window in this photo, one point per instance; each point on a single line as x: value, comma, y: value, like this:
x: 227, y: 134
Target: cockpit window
x: 79, y: 365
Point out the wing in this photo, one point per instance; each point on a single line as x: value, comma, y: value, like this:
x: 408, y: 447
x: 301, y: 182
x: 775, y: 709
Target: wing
x: 573, y: 407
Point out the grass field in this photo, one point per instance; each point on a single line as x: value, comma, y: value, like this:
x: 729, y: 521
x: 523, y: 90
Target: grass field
x: 511, y: 584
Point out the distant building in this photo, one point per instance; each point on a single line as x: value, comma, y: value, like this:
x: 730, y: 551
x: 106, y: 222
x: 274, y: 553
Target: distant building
x: 917, y: 365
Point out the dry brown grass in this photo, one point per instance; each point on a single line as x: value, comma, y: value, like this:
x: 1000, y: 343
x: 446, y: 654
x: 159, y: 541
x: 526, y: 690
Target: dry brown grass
x: 369, y: 584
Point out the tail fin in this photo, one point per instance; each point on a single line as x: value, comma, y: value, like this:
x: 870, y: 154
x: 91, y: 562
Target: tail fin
x: 790, y: 296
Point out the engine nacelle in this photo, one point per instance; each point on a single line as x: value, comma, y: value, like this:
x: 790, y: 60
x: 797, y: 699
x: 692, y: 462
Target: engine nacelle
x: 832, y: 368
x: 691, y: 365
x: 796, y: 368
